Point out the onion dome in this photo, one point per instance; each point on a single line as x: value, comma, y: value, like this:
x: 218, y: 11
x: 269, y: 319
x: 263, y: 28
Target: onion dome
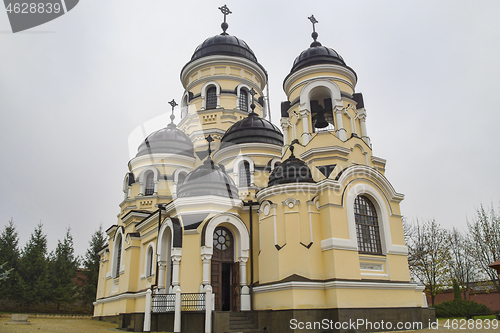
x: 224, y: 44
x: 252, y: 129
x: 317, y: 54
x: 168, y: 140
x: 292, y: 170
x: 208, y: 179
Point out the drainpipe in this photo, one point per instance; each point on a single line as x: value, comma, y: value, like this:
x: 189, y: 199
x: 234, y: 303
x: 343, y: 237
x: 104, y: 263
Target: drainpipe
x: 250, y: 204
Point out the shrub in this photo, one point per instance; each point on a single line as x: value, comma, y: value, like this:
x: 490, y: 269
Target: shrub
x: 459, y: 308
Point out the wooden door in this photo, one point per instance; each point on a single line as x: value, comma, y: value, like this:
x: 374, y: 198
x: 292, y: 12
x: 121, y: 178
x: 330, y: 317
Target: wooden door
x: 221, y: 269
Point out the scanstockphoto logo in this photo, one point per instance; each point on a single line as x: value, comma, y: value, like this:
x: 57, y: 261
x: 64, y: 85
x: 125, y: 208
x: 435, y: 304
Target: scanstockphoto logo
x: 27, y: 14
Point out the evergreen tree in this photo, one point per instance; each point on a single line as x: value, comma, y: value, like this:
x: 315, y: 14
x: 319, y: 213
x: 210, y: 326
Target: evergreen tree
x: 33, y: 280
x: 9, y: 258
x: 91, y: 263
x: 62, y: 271
x: 457, y: 296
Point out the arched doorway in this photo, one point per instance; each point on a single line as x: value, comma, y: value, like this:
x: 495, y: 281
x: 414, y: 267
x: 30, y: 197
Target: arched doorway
x: 224, y: 271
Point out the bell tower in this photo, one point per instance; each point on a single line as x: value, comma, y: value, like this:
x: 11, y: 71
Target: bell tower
x: 217, y: 82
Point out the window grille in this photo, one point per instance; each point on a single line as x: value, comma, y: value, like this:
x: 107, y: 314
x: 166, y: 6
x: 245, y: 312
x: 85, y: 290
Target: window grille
x: 211, y: 98
x: 243, y: 100
x: 150, y: 184
x: 367, y: 227
x: 244, y: 176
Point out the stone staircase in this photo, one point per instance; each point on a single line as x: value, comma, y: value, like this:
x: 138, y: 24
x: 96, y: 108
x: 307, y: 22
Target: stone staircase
x: 239, y: 322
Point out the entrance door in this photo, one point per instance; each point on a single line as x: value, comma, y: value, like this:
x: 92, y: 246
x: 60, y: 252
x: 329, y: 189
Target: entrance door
x: 224, y: 275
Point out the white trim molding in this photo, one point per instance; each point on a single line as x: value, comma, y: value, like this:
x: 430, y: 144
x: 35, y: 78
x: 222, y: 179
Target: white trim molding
x: 336, y: 285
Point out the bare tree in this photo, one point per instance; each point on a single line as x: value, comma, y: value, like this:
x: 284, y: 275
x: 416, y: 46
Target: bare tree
x: 485, y: 243
x: 463, y: 268
x: 429, y: 256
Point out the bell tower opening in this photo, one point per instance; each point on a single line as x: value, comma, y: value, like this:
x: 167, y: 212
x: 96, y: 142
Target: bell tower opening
x: 321, y: 110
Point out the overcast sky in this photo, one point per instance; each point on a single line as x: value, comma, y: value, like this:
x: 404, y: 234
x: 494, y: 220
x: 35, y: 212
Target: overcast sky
x: 74, y: 89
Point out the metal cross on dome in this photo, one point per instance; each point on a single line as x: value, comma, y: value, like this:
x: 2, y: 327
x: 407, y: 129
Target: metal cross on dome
x: 313, y: 21
x: 253, y: 93
x: 173, y: 104
x: 226, y: 12
x: 209, y: 140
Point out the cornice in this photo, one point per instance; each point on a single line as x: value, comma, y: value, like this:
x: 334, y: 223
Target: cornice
x: 210, y: 203
x: 173, y: 159
x: 318, y: 69
x: 216, y: 60
x: 336, y: 285
x: 362, y: 171
x: 232, y: 151
x: 290, y: 188
x: 324, y: 150
x: 120, y: 297
x: 144, y: 224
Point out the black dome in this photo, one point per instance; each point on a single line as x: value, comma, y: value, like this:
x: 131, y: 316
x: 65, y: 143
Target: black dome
x: 252, y: 129
x: 208, y: 179
x: 167, y: 140
x: 317, y: 54
x: 224, y: 44
x: 292, y: 170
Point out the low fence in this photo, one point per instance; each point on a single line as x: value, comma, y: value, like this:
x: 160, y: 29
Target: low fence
x: 189, y: 302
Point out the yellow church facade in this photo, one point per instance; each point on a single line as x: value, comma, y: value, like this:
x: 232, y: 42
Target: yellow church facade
x: 230, y: 223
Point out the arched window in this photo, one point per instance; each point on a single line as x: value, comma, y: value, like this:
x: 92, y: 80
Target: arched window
x: 211, y: 98
x: 367, y: 227
x: 243, y: 100
x: 118, y: 260
x: 244, y: 174
x: 181, y: 178
x: 149, y: 261
x: 150, y: 184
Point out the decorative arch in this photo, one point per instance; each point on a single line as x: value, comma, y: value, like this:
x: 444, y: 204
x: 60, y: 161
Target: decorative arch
x: 331, y: 87
x: 143, y: 177
x: 127, y: 184
x: 331, y: 90
x: 117, y: 266
x: 362, y: 188
x: 363, y: 151
x: 177, y: 172
x: 236, y: 169
x: 185, y: 105
x: 204, y: 89
x: 274, y: 161
x: 236, y: 226
x: 246, y: 88
x: 169, y: 253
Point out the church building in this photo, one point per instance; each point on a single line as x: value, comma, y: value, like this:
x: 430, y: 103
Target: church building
x: 230, y: 223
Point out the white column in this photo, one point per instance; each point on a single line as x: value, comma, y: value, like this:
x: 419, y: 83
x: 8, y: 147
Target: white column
x: 341, y: 132
x: 208, y: 309
x: 306, y: 136
x: 177, y: 314
x: 162, y: 266
x: 206, y: 268
x: 156, y: 188
x: 176, y: 260
x: 284, y: 127
x: 147, y: 312
x: 245, y: 291
x: 362, y: 121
